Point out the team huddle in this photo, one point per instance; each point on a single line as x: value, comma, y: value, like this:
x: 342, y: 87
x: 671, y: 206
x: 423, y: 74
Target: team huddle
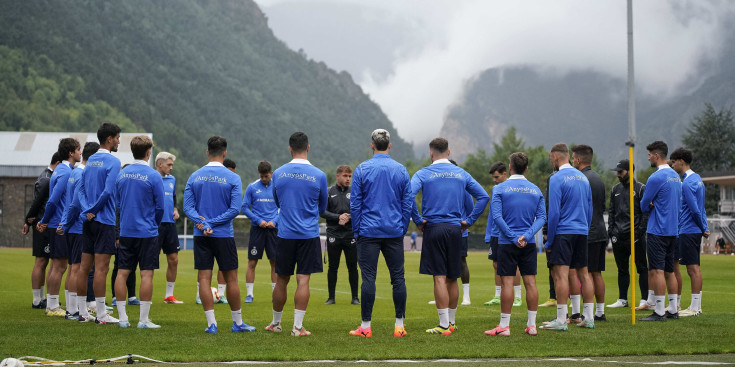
x: 88, y: 205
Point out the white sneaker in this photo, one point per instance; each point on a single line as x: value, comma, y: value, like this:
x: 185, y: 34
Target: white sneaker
x: 148, y: 325
x: 619, y: 304
x: 466, y: 302
x: 432, y: 302
x: 106, y: 319
x: 690, y: 312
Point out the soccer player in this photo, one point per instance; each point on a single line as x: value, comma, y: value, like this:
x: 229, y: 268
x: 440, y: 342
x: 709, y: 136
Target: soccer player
x: 414, y: 236
x: 519, y: 213
x: 499, y: 174
x: 140, y: 198
x: 662, y: 198
x: 692, y: 226
x: 71, y: 223
x: 70, y: 153
x: 597, y: 238
x: 212, y: 199
x: 380, y: 210
x: 339, y: 234
x: 619, y: 232
x: 442, y: 219
x: 168, y: 237
x: 41, y: 248
x: 260, y: 207
x: 97, y: 197
x: 300, y: 192
x: 569, y: 220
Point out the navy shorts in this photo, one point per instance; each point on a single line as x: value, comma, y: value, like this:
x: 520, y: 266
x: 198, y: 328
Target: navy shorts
x: 59, y: 248
x: 41, y: 247
x: 75, y: 241
x: 207, y: 249
x: 512, y: 257
x: 465, y: 246
x: 569, y: 250
x: 305, y: 255
x: 596, y: 256
x: 134, y: 251
x: 492, y: 253
x: 168, y: 238
x: 101, y: 238
x: 689, y: 246
x: 660, y: 251
x: 262, y: 240
x: 440, y: 253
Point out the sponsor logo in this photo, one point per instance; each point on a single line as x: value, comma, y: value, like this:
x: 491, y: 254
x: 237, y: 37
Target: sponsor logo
x: 490, y: 252
x: 521, y: 190
x: 134, y: 176
x: 618, y: 194
x: 353, y: 240
x: 259, y: 191
x: 297, y: 176
x: 348, y: 196
x: 333, y: 196
x: 47, y: 249
x: 673, y: 179
x: 445, y: 175
x: 266, y: 200
x: 254, y: 251
x: 95, y: 164
x: 575, y: 178
x: 331, y: 239
x: 214, y: 179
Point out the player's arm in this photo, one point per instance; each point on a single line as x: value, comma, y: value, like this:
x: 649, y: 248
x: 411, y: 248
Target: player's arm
x: 356, y: 201
x: 329, y: 215
x: 407, y: 200
x: 652, y: 187
x: 54, y: 199
x: 611, y: 213
x: 72, y: 212
x: 190, y: 203
x: 247, y: 200
x: 323, y: 193
x: 689, y: 192
x: 539, y: 221
x: 496, y: 207
x: 39, y: 198
x: 554, y: 208
x: 476, y: 190
x: 416, y: 186
x: 490, y: 222
x: 232, y: 211
x: 590, y: 206
x: 158, y: 198
x: 108, y: 193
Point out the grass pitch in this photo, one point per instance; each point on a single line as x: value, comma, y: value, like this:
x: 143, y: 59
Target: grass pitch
x: 26, y: 331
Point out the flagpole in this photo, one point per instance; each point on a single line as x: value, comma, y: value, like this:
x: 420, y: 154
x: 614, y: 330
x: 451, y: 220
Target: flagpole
x: 631, y: 144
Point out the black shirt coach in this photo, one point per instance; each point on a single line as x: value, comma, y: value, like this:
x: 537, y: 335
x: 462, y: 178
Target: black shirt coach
x: 339, y: 203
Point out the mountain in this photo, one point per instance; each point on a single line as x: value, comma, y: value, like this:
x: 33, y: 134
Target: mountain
x: 184, y: 70
x: 581, y: 107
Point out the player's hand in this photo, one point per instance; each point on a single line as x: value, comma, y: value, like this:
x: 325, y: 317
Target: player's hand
x: 706, y: 234
x: 464, y: 225
x: 545, y: 238
x: 271, y: 224
x: 30, y: 220
x: 41, y: 227
x: 208, y: 232
x: 200, y: 226
x: 25, y: 229
x: 521, y: 242
x: 422, y: 225
x: 60, y: 231
x: 344, y: 218
x: 90, y: 216
x: 263, y: 224
x: 176, y: 214
x: 650, y: 205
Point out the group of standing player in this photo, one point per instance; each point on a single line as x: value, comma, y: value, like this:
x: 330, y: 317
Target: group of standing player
x: 365, y: 219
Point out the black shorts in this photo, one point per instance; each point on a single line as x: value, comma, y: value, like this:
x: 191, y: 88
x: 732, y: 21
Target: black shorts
x: 101, y: 238
x: 465, y: 246
x: 59, y: 248
x: 596, y: 256
x: 168, y: 238
x: 262, y: 239
x: 569, y: 250
x: 41, y: 247
x: 660, y: 251
x: 492, y: 253
x: 689, y: 246
x: 207, y: 249
x: 441, y: 250
x: 512, y: 257
x: 305, y: 255
x: 134, y: 251
x: 75, y: 241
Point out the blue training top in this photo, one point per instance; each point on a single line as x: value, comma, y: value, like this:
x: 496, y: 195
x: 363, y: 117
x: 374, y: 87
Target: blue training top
x: 692, y: 218
x: 444, y: 186
x: 56, y: 203
x: 663, y: 189
x: 98, y: 186
x: 300, y: 192
x: 570, y: 204
x: 169, y: 191
x: 140, y: 199
x: 72, y: 220
x: 517, y: 210
x: 468, y: 205
x: 258, y: 203
x: 380, y: 198
x: 215, y: 193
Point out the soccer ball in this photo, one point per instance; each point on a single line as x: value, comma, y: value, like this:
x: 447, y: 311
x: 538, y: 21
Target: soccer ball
x: 215, y: 294
x: 11, y: 362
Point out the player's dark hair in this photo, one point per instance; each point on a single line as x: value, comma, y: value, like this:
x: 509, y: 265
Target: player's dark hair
x: 55, y: 158
x: 264, y: 167
x: 216, y: 146
x: 66, y: 147
x: 659, y: 148
x: 107, y: 130
x: 229, y: 163
x: 560, y: 148
x: 298, y: 142
x: 498, y: 167
x: 439, y: 145
x: 344, y: 169
x: 584, y: 153
x: 139, y: 145
x: 519, y: 162
x: 89, y: 148
x: 683, y: 154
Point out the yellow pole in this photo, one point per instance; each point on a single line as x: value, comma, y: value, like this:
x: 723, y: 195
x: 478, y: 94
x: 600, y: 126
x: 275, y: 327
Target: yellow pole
x: 632, y: 302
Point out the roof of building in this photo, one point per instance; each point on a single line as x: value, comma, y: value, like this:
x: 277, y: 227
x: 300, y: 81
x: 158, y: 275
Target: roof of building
x: 722, y: 178
x: 26, y: 154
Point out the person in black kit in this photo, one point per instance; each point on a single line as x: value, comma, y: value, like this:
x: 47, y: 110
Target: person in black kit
x: 619, y: 232
x: 551, y: 302
x: 41, y: 250
x: 339, y: 234
x: 597, y: 239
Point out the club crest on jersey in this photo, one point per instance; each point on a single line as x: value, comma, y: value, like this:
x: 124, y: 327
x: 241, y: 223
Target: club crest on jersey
x: 171, y: 185
x: 259, y: 191
x: 331, y: 239
x: 254, y: 251
x: 348, y: 196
